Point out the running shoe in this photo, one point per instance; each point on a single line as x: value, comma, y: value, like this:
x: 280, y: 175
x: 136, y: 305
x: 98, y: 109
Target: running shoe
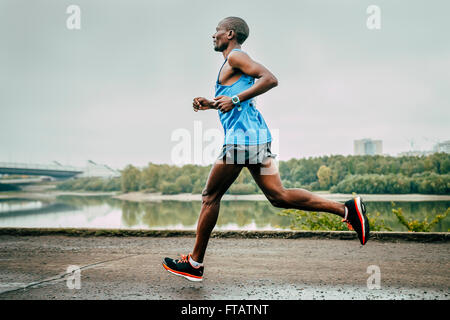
x: 183, y: 268
x: 356, y: 219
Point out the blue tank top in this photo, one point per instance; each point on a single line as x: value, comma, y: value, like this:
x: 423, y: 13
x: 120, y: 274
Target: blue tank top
x: 243, y: 124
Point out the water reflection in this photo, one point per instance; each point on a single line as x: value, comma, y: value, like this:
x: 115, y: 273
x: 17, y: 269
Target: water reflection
x: 412, y: 210
x: 9, y: 205
x: 243, y: 215
x: 105, y: 212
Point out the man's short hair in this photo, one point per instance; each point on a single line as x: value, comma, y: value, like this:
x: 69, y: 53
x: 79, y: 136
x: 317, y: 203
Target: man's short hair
x: 239, y: 26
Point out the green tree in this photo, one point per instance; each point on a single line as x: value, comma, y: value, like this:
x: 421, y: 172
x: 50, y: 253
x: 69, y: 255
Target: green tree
x: 445, y: 166
x: 242, y: 188
x: 150, y: 177
x: 338, y: 172
x: 198, y: 187
x: 130, y: 179
x: 362, y: 168
x: 170, y: 188
x: 324, y: 176
x: 184, y: 183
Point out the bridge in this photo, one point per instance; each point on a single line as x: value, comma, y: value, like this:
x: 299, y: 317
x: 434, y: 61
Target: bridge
x: 55, y: 170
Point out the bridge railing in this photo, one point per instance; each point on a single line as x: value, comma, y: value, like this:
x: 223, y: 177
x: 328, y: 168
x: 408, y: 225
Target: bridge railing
x: 16, y: 165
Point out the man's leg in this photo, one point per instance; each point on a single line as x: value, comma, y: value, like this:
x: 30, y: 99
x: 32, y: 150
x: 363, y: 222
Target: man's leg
x: 268, y: 179
x: 221, y: 176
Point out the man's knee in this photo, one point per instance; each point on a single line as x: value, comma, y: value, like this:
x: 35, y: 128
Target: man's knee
x: 278, y: 199
x: 210, y: 198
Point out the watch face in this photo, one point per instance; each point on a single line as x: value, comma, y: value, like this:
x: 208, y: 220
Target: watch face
x: 235, y: 99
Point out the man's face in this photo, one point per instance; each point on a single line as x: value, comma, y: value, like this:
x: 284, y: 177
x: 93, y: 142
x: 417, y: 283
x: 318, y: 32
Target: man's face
x: 220, y: 39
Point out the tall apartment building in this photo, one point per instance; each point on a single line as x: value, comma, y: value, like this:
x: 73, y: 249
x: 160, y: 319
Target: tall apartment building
x: 367, y: 147
x: 442, y: 147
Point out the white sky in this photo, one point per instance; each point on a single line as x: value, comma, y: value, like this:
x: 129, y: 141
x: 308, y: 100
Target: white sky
x: 116, y: 90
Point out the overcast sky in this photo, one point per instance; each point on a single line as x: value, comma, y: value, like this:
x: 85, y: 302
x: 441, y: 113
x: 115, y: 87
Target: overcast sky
x: 117, y: 89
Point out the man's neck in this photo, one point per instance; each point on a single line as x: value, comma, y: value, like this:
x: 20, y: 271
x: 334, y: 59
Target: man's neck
x: 227, y: 51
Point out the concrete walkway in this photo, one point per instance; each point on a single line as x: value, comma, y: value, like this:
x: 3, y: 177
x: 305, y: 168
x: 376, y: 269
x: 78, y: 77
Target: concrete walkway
x: 35, y: 267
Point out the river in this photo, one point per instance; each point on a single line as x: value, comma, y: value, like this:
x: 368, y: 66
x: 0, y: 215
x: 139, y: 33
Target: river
x: 106, y: 212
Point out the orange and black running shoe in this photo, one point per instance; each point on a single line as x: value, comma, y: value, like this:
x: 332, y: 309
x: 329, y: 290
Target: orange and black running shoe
x: 183, y: 268
x: 356, y: 219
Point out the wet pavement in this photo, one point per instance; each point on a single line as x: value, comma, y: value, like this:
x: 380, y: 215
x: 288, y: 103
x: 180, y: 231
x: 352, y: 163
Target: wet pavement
x: 36, y: 267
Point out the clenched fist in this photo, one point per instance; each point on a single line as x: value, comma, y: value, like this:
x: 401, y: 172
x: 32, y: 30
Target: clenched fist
x: 201, y: 103
x: 223, y: 103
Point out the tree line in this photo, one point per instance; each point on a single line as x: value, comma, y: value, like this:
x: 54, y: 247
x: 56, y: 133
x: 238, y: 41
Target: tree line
x: 344, y: 174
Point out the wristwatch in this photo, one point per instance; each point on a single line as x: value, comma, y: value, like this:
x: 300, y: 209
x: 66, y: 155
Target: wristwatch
x: 236, y: 102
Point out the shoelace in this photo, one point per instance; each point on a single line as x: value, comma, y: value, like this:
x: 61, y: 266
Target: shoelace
x: 184, y: 259
x: 349, y: 226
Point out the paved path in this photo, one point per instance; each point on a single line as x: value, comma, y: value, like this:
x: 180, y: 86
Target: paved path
x: 130, y: 268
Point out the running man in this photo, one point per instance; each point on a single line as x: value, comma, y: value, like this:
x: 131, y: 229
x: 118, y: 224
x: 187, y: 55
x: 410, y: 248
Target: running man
x: 247, y: 144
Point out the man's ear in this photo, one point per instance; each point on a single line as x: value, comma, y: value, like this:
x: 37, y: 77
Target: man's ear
x: 230, y: 34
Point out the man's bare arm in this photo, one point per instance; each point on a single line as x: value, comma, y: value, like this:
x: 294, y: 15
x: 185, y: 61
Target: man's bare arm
x: 239, y: 60
x: 266, y: 80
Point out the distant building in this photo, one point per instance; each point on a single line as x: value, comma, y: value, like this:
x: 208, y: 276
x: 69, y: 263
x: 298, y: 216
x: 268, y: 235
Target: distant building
x: 414, y: 153
x: 93, y: 169
x: 438, y: 147
x: 367, y: 147
x: 442, y: 147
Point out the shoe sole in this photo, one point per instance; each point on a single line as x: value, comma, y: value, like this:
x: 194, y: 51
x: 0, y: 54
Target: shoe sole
x: 182, y: 274
x: 361, y: 210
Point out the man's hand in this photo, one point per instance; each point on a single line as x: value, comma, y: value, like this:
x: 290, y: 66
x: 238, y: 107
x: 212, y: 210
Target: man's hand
x: 201, y: 103
x: 223, y: 103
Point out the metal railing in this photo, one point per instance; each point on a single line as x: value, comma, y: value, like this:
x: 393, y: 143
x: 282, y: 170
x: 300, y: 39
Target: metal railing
x: 54, y: 167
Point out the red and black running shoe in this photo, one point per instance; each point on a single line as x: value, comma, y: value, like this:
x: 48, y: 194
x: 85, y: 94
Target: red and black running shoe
x: 356, y: 219
x: 183, y: 268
